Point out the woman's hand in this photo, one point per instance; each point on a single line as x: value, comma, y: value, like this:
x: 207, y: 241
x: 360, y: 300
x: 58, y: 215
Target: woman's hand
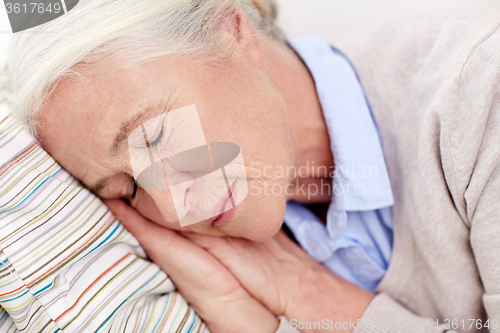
x: 285, y: 279
x: 202, y: 280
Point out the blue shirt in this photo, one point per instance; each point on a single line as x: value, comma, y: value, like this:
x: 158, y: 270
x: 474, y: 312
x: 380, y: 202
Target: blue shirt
x: 356, y: 242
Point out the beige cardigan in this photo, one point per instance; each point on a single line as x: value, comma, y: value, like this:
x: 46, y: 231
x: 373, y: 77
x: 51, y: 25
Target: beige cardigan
x: 433, y: 84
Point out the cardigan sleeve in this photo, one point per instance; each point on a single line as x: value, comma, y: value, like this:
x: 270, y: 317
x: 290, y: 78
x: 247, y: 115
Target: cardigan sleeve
x: 386, y: 315
x: 485, y: 236
x: 469, y: 150
x: 483, y: 211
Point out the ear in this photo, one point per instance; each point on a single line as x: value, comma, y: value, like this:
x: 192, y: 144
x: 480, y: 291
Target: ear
x: 240, y: 34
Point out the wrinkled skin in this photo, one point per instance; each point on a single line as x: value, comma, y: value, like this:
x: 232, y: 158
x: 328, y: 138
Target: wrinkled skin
x: 262, y: 98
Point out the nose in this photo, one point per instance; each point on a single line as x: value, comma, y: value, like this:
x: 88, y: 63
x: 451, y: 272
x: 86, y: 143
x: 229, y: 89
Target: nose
x: 164, y: 203
x: 172, y: 201
x: 180, y: 186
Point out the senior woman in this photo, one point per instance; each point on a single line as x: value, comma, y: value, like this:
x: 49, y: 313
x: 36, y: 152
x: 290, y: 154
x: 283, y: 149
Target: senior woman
x: 417, y: 253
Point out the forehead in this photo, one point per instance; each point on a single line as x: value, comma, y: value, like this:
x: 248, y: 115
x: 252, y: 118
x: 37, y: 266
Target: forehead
x: 85, y: 105
x: 78, y: 122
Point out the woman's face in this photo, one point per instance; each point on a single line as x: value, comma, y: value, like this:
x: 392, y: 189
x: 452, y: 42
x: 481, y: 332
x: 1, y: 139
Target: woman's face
x: 86, y: 125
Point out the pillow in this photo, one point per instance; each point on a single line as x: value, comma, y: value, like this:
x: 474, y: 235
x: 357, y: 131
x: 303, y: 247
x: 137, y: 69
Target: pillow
x: 65, y: 262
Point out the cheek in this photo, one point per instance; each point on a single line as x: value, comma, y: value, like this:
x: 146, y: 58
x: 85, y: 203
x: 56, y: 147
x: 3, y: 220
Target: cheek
x: 260, y: 220
x: 145, y: 205
x: 263, y: 209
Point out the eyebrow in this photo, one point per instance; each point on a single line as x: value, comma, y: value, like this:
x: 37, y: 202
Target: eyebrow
x: 118, y: 142
x: 127, y: 127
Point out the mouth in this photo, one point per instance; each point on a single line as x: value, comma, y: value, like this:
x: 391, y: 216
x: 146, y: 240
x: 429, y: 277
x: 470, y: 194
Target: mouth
x: 224, y: 219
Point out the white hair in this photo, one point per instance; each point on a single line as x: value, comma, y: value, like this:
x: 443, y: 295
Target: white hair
x: 139, y: 30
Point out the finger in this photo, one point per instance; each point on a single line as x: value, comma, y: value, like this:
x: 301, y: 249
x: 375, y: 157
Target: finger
x: 224, y: 248
x: 265, y: 269
x: 190, y: 266
x: 150, y: 235
x: 282, y: 247
x: 250, y: 262
x: 215, y: 243
x: 286, y: 243
x: 164, y: 243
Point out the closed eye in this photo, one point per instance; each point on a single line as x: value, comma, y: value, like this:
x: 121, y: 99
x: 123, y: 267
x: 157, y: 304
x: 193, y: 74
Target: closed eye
x: 158, y: 139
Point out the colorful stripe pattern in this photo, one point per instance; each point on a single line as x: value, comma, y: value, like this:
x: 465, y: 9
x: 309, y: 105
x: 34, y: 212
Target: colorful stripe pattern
x: 66, y: 264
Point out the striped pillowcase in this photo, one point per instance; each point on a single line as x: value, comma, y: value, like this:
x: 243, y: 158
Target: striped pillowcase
x: 66, y: 264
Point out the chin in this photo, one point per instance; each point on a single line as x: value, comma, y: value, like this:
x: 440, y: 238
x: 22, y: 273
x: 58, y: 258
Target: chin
x: 264, y: 233
x: 257, y: 221
x: 258, y: 227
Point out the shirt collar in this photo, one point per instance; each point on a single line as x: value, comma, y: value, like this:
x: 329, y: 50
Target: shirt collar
x: 361, y: 181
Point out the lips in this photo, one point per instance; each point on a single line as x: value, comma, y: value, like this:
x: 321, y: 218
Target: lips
x: 224, y: 219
